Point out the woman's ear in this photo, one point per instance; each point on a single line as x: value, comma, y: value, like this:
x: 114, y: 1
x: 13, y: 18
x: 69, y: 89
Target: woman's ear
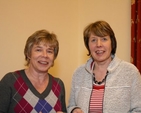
x: 28, y: 56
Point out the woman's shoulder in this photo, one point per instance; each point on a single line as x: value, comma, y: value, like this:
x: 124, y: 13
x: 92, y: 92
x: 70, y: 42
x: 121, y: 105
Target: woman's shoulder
x: 118, y: 63
x: 129, y: 65
x: 57, y: 79
x: 10, y: 75
x: 81, y: 67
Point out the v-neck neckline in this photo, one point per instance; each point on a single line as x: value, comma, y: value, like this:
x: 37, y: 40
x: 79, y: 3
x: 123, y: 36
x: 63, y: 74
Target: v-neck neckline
x: 32, y: 88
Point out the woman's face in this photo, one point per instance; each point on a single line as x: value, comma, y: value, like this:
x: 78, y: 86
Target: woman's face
x: 41, y: 58
x: 100, y: 48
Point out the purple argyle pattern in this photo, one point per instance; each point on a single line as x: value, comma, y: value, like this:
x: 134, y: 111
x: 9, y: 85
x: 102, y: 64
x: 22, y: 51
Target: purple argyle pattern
x: 29, y: 103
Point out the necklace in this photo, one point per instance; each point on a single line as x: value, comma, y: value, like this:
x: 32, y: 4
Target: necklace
x: 99, y: 82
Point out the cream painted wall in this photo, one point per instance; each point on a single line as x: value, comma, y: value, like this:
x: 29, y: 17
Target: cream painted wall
x: 67, y: 19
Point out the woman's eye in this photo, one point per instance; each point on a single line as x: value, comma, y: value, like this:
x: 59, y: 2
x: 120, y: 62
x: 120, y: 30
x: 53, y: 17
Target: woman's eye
x: 104, y: 39
x: 38, y: 50
x: 50, y: 51
x: 93, y: 40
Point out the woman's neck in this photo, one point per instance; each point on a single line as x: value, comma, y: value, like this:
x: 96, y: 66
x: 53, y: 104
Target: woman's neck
x: 102, y: 66
x: 39, y: 80
x: 36, y: 76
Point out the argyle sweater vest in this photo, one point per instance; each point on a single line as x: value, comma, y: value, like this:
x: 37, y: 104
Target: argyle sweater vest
x: 24, y: 98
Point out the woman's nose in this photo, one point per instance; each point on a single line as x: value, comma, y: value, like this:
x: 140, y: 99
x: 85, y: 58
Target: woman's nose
x: 44, y: 53
x: 98, y: 43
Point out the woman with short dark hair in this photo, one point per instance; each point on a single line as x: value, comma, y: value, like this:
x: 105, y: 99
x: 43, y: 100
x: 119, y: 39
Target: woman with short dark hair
x: 105, y: 84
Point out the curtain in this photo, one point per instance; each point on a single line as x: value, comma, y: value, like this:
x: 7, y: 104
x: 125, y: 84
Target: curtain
x: 136, y: 33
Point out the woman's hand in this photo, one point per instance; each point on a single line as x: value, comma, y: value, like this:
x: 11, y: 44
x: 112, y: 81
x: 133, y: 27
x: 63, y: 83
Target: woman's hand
x: 77, y: 110
x: 56, y: 112
x: 59, y: 112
